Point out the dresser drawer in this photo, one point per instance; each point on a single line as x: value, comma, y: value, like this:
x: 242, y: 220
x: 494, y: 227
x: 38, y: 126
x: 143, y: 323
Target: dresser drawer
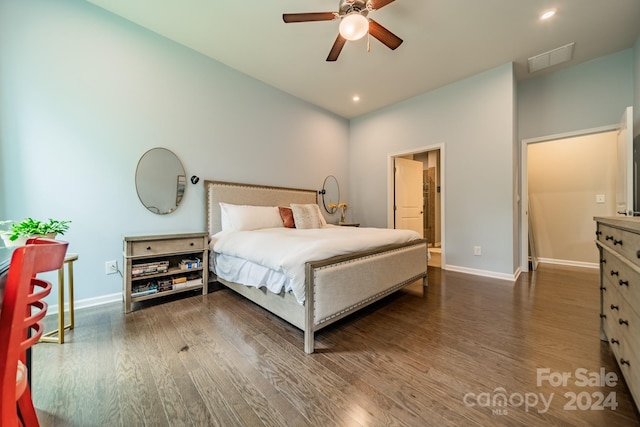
x: 163, y: 246
x: 614, y: 333
x: 614, y: 271
x: 619, y: 275
x: 629, y: 364
x: 624, y: 242
x: 629, y: 327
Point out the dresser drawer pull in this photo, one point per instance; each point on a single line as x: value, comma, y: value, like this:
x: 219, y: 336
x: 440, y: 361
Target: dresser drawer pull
x: 608, y: 238
x: 598, y: 233
x: 614, y: 273
x: 615, y: 341
x: 603, y: 316
x: 623, y: 283
x: 617, y: 242
x: 191, y: 244
x: 604, y: 261
x: 603, y: 288
x: 623, y: 322
x: 624, y: 362
x: 148, y: 248
x: 615, y: 307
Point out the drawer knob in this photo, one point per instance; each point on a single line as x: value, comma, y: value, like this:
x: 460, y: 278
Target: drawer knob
x: 624, y: 362
x: 604, y: 261
x: 614, y: 273
x: 148, y: 248
x: 614, y: 307
x: 603, y: 316
x: 615, y: 341
x: 623, y: 282
x: 623, y: 322
x: 191, y: 244
x: 608, y: 238
x: 617, y: 242
x: 598, y: 233
x: 603, y: 288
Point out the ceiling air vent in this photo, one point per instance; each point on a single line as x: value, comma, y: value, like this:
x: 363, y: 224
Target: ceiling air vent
x: 551, y: 58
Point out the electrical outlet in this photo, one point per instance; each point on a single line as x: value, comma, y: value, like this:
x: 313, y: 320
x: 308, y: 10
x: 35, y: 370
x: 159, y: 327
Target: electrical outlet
x: 111, y: 267
x: 477, y: 250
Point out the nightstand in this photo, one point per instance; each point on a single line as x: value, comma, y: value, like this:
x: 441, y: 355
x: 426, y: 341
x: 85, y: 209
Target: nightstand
x: 160, y: 265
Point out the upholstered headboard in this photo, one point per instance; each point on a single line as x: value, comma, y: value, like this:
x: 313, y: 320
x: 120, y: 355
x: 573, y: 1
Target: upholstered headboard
x: 249, y: 194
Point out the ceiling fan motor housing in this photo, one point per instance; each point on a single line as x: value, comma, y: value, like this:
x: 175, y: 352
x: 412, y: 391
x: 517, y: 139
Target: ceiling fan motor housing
x: 354, y: 6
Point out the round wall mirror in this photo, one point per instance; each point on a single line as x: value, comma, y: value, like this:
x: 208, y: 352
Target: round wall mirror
x: 330, y: 194
x: 160, y: 181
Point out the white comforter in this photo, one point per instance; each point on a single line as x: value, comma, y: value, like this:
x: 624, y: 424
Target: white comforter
x: 287, y: 250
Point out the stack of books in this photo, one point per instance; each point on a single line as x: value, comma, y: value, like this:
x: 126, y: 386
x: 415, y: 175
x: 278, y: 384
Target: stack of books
x: 148, y: 268
x: 187, y: 264
x: 165, y: 285
x: 147, y: 288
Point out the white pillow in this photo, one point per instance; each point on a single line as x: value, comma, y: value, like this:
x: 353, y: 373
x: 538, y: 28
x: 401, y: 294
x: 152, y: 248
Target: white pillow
x: 245, y: 217
x: 307, y: 216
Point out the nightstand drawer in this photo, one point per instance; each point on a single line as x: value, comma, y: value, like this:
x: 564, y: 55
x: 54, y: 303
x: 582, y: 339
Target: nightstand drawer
x: 156, y: 247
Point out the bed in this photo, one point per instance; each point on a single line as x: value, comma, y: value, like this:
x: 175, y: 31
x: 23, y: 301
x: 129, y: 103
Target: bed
x: 333, y: 287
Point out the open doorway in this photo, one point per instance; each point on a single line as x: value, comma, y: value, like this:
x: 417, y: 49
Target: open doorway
x: 432, y: 160
x: 567, y: 179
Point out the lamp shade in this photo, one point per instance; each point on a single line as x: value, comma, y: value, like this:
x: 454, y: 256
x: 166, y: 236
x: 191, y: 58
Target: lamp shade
x: 354, y: 26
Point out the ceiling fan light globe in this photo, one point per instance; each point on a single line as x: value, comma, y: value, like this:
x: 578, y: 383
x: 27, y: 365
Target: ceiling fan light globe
x: 354, y: 26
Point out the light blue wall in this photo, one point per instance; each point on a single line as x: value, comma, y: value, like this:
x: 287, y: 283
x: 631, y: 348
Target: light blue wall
x: 83, y: 94
x: 474, y: 118
x: 584, y: 96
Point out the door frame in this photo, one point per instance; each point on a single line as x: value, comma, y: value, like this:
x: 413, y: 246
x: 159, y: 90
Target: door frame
x: 524, y: 183
x: 391, y: 190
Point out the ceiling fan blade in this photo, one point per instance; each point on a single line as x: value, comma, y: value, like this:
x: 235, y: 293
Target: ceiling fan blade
x: 307, y: 17
x: 385, y: 36
x: 336, y: 48
x: 379, y: 4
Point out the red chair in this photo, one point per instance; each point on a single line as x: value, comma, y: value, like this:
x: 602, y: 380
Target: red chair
x: 22, y: 292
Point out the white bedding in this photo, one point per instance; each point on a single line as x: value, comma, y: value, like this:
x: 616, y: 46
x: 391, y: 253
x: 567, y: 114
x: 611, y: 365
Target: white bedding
x: 286, y: 250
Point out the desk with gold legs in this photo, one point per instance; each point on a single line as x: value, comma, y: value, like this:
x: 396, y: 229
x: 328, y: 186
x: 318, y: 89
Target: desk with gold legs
x: 48, y: 337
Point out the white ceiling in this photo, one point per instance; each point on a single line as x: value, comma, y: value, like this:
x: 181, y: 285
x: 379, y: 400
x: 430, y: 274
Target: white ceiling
x: 444, y: 41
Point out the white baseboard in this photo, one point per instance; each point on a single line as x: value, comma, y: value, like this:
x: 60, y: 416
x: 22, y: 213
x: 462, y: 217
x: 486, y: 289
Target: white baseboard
x: 86, y: 303
x: 569, y: 263
x: 484, y: 273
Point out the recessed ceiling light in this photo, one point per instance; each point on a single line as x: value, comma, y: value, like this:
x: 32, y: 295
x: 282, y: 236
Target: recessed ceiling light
x: 356, y: 98
x: 548, y: 14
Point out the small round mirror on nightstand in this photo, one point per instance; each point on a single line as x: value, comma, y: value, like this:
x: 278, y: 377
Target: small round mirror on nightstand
x: 160, y: 181
x: 330, y: 194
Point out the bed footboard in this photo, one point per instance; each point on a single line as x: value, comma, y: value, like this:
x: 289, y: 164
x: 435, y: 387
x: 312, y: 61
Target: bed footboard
x: 342, y: 285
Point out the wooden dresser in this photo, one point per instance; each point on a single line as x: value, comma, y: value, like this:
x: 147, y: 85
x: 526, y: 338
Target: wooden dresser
x: 618, y: 240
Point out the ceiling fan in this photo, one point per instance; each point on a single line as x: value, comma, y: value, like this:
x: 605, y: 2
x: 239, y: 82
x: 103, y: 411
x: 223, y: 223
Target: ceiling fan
x: 354, y: 23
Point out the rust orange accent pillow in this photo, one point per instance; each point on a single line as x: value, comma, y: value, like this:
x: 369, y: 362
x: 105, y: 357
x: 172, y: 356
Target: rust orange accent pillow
x: 287, y: 217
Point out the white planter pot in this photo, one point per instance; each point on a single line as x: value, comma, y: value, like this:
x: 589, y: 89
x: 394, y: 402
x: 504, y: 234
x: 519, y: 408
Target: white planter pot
x: 21, y: 241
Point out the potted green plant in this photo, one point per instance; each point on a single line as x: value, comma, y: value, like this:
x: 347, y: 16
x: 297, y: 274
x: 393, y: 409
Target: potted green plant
x: 19, y: 232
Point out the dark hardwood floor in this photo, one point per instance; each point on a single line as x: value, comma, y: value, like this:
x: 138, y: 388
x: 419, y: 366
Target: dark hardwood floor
x: 451, y: 356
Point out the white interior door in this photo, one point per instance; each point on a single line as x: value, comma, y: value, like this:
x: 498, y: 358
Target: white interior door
x: 409, y: 203
x: 624, y: 165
